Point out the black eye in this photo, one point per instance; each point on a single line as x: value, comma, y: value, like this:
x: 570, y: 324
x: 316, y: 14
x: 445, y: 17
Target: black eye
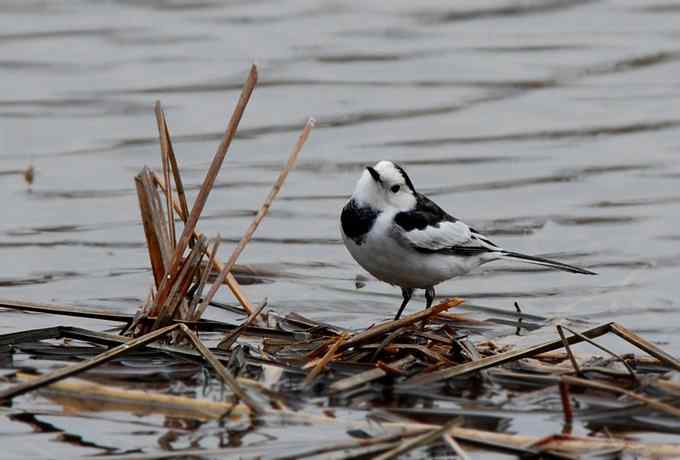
x: 395, y: 188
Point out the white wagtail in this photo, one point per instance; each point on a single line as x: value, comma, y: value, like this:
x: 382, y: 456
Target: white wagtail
x: 403, y: 238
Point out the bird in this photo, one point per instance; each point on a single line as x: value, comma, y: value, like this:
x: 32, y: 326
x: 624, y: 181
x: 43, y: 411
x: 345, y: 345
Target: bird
x: 402, y: 237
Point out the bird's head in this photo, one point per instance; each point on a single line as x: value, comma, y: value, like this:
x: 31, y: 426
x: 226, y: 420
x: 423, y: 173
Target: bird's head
x: 385, y: 185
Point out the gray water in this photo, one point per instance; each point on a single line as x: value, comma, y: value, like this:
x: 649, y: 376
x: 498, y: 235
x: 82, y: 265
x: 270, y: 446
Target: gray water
x: 550, y: 125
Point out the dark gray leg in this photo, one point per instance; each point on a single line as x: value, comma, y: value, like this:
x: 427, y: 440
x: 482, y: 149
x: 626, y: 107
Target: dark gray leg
x: 429, y: 296
x: 406, y: 293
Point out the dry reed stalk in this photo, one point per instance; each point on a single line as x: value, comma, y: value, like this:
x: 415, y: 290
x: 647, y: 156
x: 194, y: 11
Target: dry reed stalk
x: 139, y: 326
x: 29, y: 175
x: 565, y: 397
x: 224, y: 374
x: 78, y: 312
x: 207, y: 185
x: 386, y: 341
x: 73, y: 369
x: 368, y: 376
x: 142, y: 314
x: 606, y: 350
x: 353, y: 444
x: 459, y: 318
x: 31, y: 335
x: 165, y: 161
x: 236, y: 452
x: 195, y: 314
x: 182, y: 281
x: 179, y: 185
x: 645, y: 345
x: 576, y: 445
x: 503, y: 358
x: 453, y: 444
x: 421, y: 440
x: 651, y: 402
x: 227, y: 342
x: 104, y: 315
x: 570, y: 445
x: 425, y: 351
x: 390, y: 326
x: 116, y: 339
x: 236, y: 290
x: 154, y: 228
x: 570, y: 353
x: 231, y: 282
x: 388, y: 369
x: 314, y: 373
x: 261, y: 213
x: 82, y: 395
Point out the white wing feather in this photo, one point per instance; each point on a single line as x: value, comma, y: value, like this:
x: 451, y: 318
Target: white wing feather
x: 445, y: 235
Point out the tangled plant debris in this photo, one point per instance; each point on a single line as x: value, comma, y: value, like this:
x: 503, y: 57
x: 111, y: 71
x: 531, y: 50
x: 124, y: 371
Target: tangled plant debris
x: 417, y: 384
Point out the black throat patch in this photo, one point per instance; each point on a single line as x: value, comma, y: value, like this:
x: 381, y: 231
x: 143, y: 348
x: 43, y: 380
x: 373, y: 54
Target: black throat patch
x: 357, y: 221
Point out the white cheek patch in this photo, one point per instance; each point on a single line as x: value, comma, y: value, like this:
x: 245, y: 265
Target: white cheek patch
x: 403, y: 201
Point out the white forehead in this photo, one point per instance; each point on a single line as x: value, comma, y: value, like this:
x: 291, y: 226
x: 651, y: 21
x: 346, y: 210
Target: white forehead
x: 388, y: 172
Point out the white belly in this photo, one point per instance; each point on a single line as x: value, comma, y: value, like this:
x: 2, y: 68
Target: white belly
x: 391, y: 261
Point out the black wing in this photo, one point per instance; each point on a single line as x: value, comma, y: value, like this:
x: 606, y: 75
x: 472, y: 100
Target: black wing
x: 430, y: 229
x: 425, y: 214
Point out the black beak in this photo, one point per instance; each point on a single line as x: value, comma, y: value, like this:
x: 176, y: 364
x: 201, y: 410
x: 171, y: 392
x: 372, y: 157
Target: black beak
x: 374, y: 174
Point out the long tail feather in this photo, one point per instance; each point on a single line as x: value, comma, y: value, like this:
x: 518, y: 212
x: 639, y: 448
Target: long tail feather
x: 509, y: 255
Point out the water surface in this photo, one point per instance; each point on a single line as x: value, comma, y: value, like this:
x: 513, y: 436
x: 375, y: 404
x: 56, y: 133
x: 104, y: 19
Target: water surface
x: 550, y: 125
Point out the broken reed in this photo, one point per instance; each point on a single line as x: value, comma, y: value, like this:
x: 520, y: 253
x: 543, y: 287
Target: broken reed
x: 267, y: 401
x: 180, y: 276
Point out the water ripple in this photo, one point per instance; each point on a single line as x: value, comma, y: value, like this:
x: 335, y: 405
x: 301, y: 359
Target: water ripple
x: 635, y: 202
x: 73, y: 243
x: 543, y: 135
x: 105, y: 32
x: 569, y: 175
x: 502, y: 11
